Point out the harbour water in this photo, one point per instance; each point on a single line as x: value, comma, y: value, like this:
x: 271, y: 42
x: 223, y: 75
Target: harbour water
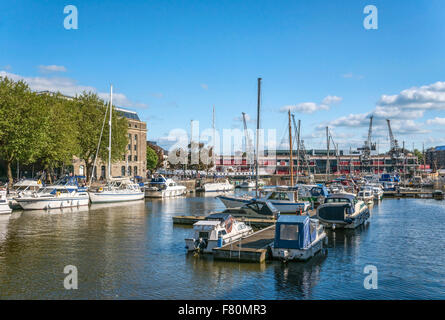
x: 133, y: 251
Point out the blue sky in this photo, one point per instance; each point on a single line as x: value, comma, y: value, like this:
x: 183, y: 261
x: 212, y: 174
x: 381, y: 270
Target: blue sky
x: 171, y: 61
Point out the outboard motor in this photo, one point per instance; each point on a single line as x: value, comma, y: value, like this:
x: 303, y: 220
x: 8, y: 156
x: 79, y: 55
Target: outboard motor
x: 200, y: 244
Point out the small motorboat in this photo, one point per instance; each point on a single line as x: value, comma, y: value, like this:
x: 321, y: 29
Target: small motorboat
x: 24, y: 187
x: 438, y: 194
x: 284, y: 198
x: 214, y: 231
x: 297, y: 238
x: 366, y: 195
x: 117, y: 190
x: 342, y: 211
x: 160, y: 187
x: 216, y: 186
x: 4, y: 204
x: 255, y: 208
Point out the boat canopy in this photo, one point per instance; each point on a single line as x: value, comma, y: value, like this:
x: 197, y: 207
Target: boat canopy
x: 294, y: 232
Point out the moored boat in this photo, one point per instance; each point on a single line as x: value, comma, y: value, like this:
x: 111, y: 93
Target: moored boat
x: 283, y: 198
x: 366, y: 195
x: 23, y: 187
x: 4, y: 205
x: 216, y: 186
x: 160, y: 187
x: 64, y: 193
x: 215, y: 231
x: 342, y: 211
x: 297, y: 238
x: 117, y: 190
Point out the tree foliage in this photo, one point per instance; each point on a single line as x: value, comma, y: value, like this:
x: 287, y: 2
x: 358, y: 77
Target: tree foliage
x: 49, y: 129
x: 152, y: 159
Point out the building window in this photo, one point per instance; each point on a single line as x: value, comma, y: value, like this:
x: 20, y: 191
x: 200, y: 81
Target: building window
x: 129, y: 136
x: 135, y: 138
x: 135, y: 147
x: 129, y: 157
x: 135, y: 125
x: 81, y: 168
x: 102, y: 172
x: 135, y: 158
x: 135, y: 171
x: 125, y: 158
x: 123, y: 171
x: 129, y: 147
x: 129, y: 171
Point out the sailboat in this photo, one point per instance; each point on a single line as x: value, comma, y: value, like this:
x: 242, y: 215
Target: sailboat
x: 117, y: 189
x: 215, y: 186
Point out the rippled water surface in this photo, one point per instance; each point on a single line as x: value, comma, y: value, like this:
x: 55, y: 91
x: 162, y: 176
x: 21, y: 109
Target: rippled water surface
x: 133, y: 251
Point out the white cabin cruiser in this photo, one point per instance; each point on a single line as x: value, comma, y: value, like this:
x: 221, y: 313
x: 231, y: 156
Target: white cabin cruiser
x: 216, y: 186
x: 215, y: 231
x: 366, y: 195
x: 377, y: 190
x: 23, y: 187
x: 117, y: 190
x: 4, y: 204
x: 250, y: 184
x: 261, y: 209
x: 161, y: 187
x: 64, y: 193
x: 342, y: 211
x: 283, y: 198
x: 297, y: 238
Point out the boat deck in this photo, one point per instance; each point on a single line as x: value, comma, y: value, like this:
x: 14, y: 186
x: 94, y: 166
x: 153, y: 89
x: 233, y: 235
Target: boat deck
x: 253, y: 248
x: 254, y: 222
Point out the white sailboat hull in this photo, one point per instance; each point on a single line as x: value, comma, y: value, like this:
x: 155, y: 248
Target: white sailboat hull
x: 215, y: 187
x: 109, y: 197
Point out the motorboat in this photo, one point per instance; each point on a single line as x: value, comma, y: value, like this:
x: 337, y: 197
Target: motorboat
x: 342, y: 211
x: 22, y: 188
x: 388, y: 186
x: 250, y: 184
x: 64, y: 193
x: 338, y: 188
x: 216, y: 186
x: 261, y: 209
x: 314, y: 193
x: 366, y: 195
x: 4, y: 203
x: 377, y: 190
x: 438, y: 194
x: 284, y: 198
x: 117, y: 190
x: 297, y: 238
x: 161, y: 187
x: 215, y: 231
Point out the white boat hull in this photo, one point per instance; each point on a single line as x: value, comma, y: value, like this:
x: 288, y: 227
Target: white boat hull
x: 300, y: 254
x: 109, y: 197
x: 52, y: 203
x: 5, y: 209
x: 213, y: 244
x: 166, y: 193
x: 215, y: 187
x: 358, y: 220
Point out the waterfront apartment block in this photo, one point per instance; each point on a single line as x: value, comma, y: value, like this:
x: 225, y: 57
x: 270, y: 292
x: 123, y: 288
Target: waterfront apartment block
x: 133, y: 163
x: 435, y: 158
x: 317, y: 162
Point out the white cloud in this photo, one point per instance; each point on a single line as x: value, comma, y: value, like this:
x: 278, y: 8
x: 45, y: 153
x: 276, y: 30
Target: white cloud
x: 51, y: 68
x: 70, y: 87
x: 436, y: 121
x: 311, y: 107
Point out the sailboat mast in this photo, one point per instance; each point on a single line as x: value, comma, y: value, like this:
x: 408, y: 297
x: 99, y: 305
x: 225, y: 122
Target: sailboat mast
x: 213, y: 140
x: 257, y: 135
x: 291, y: 160
x: 109, y: 140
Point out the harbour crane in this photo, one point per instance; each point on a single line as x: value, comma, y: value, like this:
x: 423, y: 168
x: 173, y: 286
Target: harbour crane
x: 365, y: 156
x: 396, y: 153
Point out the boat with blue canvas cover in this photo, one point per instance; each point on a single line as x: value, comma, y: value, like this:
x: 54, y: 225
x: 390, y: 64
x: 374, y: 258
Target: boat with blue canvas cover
x: 342, y: 211
x: 297, y: 238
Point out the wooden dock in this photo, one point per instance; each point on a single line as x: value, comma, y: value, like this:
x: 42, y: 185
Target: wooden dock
x: 409, y: 194
x: 253, y: 248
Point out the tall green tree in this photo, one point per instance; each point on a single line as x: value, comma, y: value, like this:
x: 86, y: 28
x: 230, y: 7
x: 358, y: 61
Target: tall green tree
x: 22, y: 133
x: 152, y: 159
x: 91, y: 112
x: 61, y: 138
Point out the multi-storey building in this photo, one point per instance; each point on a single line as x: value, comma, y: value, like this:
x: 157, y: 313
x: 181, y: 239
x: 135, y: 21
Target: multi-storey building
x: 317, y: 162
x: 435, y: 157
x: 133, y: 163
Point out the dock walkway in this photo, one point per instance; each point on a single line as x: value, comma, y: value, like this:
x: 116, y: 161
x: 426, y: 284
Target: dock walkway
x: 253, y: 248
